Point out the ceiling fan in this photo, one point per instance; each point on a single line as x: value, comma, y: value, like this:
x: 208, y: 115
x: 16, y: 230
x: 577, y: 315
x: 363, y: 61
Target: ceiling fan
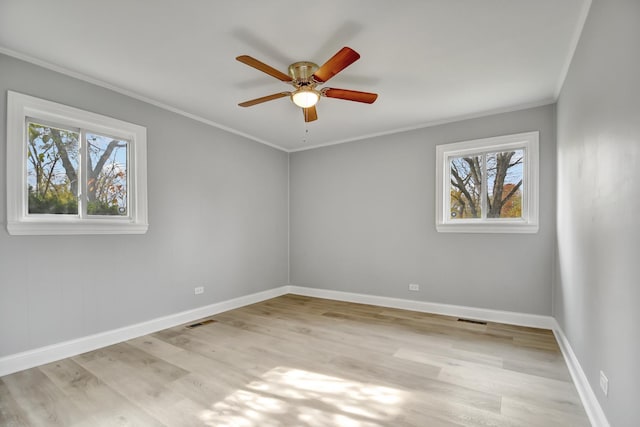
x: 305, y: 77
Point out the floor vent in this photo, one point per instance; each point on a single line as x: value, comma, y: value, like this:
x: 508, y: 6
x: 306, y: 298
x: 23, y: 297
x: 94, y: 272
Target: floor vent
x: 202, y: 323
x: 476, y: 322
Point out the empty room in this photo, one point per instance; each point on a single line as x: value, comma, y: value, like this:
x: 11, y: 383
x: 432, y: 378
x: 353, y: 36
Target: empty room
x: 351, y: 213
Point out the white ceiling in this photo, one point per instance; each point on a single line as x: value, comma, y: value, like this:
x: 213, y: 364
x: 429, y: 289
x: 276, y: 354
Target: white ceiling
x: 430, y: 61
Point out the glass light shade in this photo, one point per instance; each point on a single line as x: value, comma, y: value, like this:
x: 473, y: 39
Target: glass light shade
x: 305, y: 98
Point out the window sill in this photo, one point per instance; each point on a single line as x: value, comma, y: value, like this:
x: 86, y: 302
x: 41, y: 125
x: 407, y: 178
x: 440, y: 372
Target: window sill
x: 512, y: 228
x: 42, y: 228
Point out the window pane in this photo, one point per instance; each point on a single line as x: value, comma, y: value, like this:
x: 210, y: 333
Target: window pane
x: 52, y: 169
x: 106, y: 175
x: 466, y: 187
x: 504, y: 176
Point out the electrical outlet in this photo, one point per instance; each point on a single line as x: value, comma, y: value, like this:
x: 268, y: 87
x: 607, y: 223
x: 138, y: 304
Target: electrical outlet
x: 199, y: 290
x: 414, y: 287
x: 604, y: 383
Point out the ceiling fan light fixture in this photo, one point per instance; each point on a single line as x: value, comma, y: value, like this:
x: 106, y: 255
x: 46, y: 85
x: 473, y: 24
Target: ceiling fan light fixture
x: 305, y: 98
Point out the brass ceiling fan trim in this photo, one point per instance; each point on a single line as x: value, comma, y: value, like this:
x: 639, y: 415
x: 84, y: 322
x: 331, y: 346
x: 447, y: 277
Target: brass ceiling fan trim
x: 302, y: 73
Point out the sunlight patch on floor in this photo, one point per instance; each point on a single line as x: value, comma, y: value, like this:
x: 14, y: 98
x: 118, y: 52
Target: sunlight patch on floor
x: 286, y: 396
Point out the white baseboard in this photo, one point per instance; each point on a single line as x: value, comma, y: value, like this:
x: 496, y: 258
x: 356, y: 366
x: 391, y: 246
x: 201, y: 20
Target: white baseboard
x: 40, y: 356
x: 51, y: 353
x: 488, y: 315
x: 589, y: 400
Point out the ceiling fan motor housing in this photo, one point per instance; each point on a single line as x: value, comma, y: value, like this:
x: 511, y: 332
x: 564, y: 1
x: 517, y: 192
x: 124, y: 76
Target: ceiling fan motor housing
x: 302, y: 72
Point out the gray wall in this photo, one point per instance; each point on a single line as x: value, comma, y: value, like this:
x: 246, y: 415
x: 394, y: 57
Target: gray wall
x: 217, y: 214
x: 597, y: 291
x: 362, y: 220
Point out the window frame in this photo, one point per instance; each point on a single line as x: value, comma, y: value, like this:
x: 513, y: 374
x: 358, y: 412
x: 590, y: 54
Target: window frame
x: 527, y: 141
x: 22, y: 108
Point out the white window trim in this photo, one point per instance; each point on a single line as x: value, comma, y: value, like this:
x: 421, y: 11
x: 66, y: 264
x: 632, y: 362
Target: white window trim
x: 19, y: 108
x: 530, y: 209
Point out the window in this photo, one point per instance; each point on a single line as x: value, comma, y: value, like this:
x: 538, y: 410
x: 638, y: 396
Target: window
x: 488, y: 185
x: 73, y: 172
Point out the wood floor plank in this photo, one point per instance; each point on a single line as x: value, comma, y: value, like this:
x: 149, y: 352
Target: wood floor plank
x: 556, y: 370
x: 41, y: 402
x: 530, y: 413
x: 105, y: 406
x: 308, y: 362
x: 541, y: 391
x: 11, y: 414
x: 152, y: 393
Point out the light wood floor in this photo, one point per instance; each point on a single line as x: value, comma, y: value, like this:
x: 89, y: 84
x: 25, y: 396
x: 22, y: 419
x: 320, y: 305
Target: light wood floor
x: 298, y: 361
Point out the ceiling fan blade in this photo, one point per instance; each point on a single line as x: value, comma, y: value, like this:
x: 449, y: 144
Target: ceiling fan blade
x: 338, y: 62
x: 349, y: 95
x: 264, y: 99
x: 252, y: 62
x: 310, y: 114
